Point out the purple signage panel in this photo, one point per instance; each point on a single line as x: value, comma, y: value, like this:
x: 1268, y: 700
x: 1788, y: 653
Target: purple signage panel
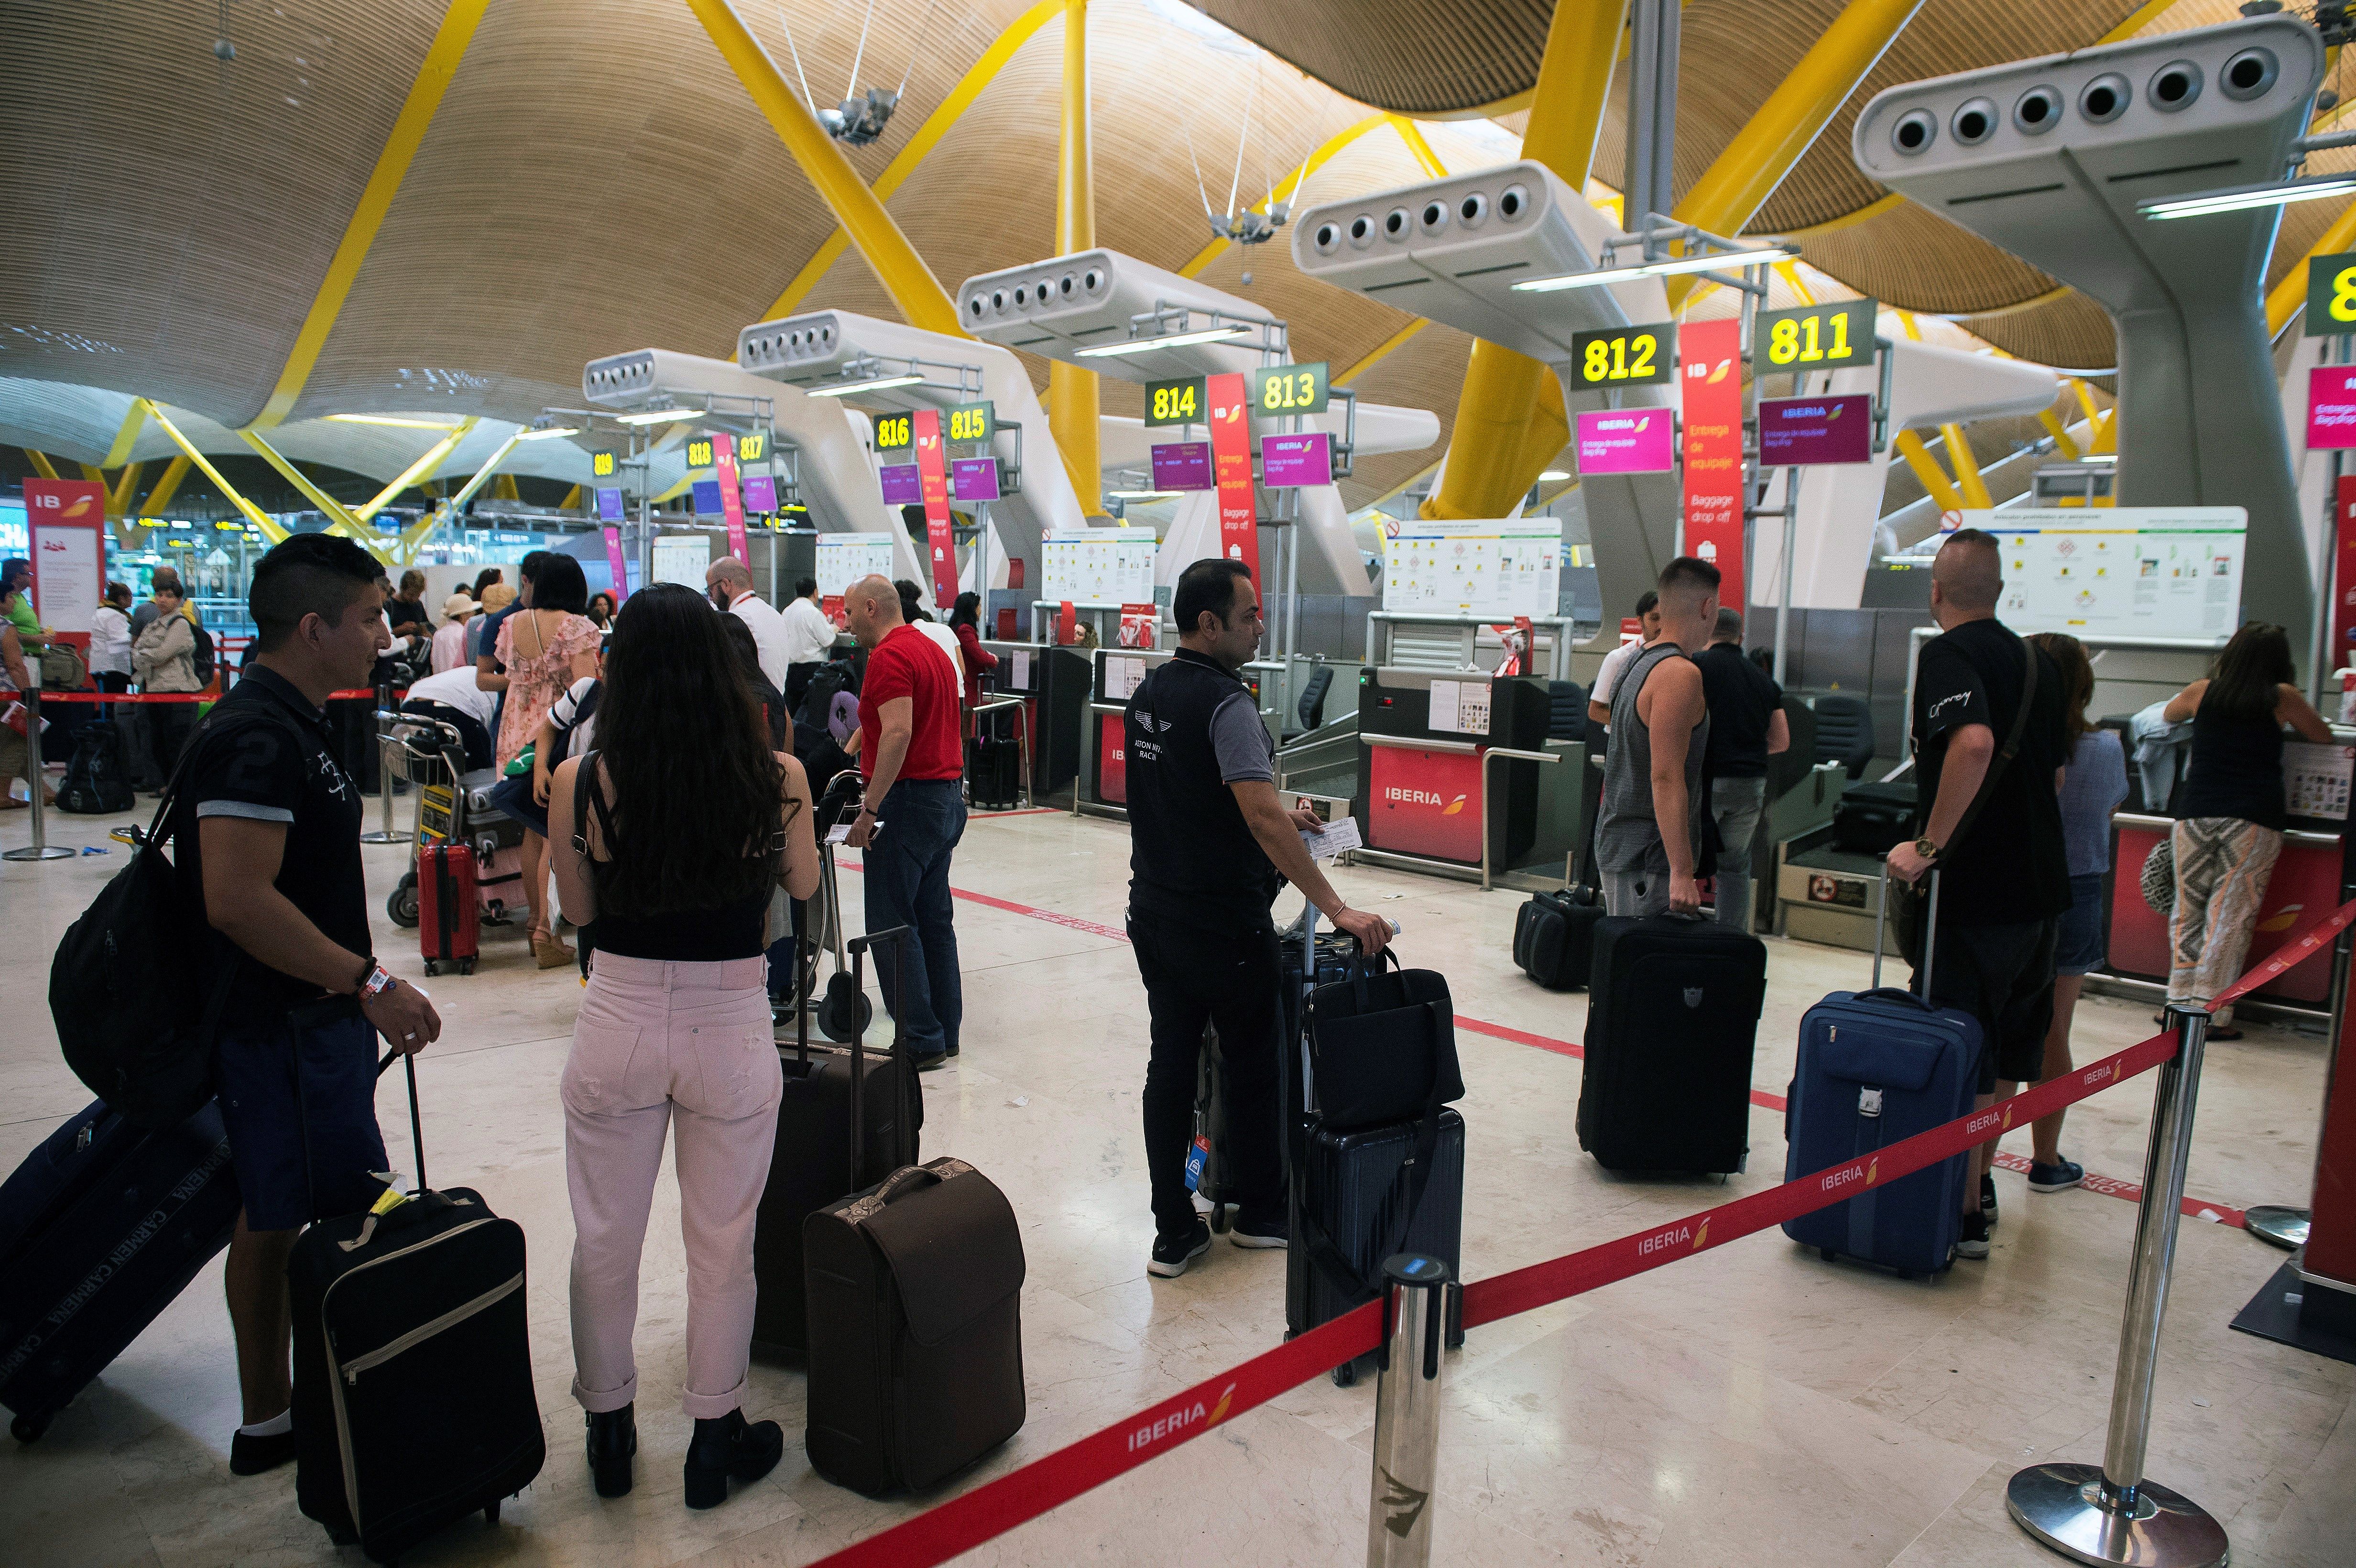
x: 1626, y: 441
x: 760, y: 492
x: 1797, y: 432
x: 609, y: 505
x: 974, y: 478
x: 2332, y: 407
x: 902, y: 484
x: 1286, y: 461
x: 707, y: 498
x: 1183, y: 465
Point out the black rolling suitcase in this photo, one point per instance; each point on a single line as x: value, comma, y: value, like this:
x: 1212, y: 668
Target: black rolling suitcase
x: 414, y: 1398
x: 846, y: 1119
x: 98, y: 777
x: 994, y: 771
x: 1874, y: 818
x: 101, y: 1228
x: 915, y: 1328
x: 1554, y: 938
x: 1672, y: 1015
x: 1207, y: 1161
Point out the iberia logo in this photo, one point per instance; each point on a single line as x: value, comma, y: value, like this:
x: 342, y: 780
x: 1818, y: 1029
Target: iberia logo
x: 2008, y: 1116
x: 1701, y: 1236
x: 1452, y: 807
x: 79, y: 506
x: 1178, y: 1420
x: 1219, y: 1411
x: 2283, y: 919
x: 1873, y: 1170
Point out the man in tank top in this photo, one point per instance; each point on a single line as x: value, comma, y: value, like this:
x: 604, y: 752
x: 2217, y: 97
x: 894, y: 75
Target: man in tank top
x: 1648, y: 838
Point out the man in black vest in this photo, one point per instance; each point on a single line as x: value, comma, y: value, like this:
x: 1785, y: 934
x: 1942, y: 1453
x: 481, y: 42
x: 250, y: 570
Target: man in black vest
x: 1209, y: 846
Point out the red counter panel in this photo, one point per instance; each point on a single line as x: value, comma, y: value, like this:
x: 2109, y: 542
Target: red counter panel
x: 2305, y: 884
x: 1424, y: 803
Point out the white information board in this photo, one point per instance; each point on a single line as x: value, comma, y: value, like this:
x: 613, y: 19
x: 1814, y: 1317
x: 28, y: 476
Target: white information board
x: 682, y: 558
x: 2157, y: 572
x: 844, y: 559
x: 1098, y: 566
x: 67, y: 580
x: 1473, y: 565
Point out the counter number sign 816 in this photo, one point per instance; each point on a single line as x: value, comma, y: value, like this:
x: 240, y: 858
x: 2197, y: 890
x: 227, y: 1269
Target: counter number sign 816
x: 894, y: 433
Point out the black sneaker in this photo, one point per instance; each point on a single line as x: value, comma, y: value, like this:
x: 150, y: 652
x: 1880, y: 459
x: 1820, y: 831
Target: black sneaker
x: 1974, y: 1242
x: 1987, y: 1197
x: 254, y: 1455
x: 1173, y: 1253
x: 2056, y: 1177
x: 1256, y: 1233
x: 934, y: 1062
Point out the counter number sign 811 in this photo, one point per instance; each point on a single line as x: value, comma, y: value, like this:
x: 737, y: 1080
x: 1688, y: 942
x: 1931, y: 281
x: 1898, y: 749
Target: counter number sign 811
x: 1625, y: 355
x: 1813, y: 338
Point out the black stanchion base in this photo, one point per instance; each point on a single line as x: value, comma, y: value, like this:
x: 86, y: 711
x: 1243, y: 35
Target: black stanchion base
x: 2290, y: 1311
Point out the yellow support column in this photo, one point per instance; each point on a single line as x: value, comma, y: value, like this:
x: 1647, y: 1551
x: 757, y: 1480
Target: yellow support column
x: 2063, y: 442
x: 339, y: 518
x: 417, y: 473
x: 1738, y: 182
x: 1926, y: 468
x: 254, y: 514
x: 1072, y: 397
x: 165, y: 488
x: 41, y: 464
x: 1485, y: 477
x: 1967, y: 467
x: 902, y: 272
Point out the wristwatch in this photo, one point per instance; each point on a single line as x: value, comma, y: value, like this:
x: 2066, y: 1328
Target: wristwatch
x: 1925, y: 847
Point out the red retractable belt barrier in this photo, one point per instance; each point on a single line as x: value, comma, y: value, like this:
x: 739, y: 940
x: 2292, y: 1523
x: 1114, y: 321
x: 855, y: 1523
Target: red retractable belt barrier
x: 349, y: 695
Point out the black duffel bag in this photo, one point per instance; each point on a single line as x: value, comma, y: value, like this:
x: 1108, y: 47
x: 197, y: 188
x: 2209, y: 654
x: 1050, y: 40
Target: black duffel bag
x: 1382, y: 1045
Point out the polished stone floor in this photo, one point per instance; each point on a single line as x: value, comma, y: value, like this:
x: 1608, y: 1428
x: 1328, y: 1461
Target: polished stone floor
x: 1752, y: 1406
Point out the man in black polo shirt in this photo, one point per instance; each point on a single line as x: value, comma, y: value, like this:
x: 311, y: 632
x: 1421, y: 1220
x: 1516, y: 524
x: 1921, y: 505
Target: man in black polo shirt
x: 1747, y: 726
x: 1209, y: 846
x: 2005, y: 880
x: 267, y: 834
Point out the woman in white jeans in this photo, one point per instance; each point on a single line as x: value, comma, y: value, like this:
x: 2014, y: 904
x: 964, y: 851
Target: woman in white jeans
x: 667, y: 840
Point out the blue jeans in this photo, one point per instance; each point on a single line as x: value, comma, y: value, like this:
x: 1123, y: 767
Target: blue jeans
x: 1737, y: 804
x: 908, y: 884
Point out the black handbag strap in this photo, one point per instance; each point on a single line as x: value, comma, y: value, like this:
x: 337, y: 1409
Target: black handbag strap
x: 2005, y: 754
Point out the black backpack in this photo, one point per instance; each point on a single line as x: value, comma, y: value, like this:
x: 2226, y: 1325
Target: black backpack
x: 98, y: 776
x: 137, y: 988
x: 202, y: 658
x: 828, y: 681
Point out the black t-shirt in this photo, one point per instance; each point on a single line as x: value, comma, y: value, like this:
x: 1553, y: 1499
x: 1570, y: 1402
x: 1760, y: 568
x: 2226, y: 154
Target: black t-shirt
x: 2011, y: 864
x: 1742, y: 700
x: 265, y: 753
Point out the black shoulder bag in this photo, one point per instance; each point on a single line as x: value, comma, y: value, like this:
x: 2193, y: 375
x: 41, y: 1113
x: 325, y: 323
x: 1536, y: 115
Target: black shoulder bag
x: 1907, y: 898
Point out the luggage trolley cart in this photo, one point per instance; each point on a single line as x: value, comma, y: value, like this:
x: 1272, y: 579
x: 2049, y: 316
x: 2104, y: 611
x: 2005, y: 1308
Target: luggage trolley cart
x: 453, y: 807
x: 843, y: 1008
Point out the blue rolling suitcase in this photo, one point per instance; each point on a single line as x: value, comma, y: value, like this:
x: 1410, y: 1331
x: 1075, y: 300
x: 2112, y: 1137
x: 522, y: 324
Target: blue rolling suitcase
x: 1876, y: 1067
x: 100, y: 1227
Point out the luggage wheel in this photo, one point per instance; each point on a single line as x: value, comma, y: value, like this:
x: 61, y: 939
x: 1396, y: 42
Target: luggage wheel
x: 1826, y: 1254
x: 1220, y: 1219
x: 430, y: 968
x: 28, y: 1428
x: 1345, y: 1375
x: 467, y: 968
x: 402, y: 907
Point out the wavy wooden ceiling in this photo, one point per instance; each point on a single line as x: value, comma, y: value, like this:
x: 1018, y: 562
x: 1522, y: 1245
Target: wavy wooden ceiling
x: 597, y: 180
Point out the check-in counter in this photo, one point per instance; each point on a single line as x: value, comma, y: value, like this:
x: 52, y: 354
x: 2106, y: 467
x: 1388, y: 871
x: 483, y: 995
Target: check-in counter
x: 1116, y: 673
x: 2306, y: 885
x: 1054, y: 686
x: 1431, y: 795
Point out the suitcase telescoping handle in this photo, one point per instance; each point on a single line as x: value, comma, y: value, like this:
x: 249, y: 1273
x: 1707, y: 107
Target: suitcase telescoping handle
x: 1930, y: 928
x: 898, y: 936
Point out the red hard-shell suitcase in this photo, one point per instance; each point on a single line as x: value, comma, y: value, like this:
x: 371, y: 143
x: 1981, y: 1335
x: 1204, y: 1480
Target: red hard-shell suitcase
x: 449, y: 918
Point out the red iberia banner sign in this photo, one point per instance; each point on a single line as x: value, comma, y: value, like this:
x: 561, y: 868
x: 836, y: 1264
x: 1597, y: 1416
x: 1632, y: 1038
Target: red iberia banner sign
x: 1231, y: 469
x: 1710, y: 376
x: 933, y: 475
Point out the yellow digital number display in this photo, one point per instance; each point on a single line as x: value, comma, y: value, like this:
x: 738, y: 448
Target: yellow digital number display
x: 1813, y: 338
x: 2330, y: 296
x: 699, y: 452
x: 752, y: 446
x: 1174, y: 402
x: 1625, y: 355
x: 972, y: 421
x: 1281, y: 390
x: 894, y: 433
x: 603, y: 465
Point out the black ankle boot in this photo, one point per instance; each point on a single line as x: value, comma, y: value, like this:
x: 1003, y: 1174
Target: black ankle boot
x: 613, y: 1440
x: 730, y: 1446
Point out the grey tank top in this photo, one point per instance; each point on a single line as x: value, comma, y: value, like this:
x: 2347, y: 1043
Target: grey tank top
x: 1627, y: 836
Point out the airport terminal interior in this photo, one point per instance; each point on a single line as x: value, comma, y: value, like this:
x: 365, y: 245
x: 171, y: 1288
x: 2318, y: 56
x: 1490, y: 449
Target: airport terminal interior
x: 1479, y: 336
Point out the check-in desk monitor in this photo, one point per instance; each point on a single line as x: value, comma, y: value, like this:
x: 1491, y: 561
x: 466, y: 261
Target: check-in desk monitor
x: 1421, y: 735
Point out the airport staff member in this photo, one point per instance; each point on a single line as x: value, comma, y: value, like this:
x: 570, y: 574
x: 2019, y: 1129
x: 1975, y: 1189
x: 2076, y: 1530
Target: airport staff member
x: 730, y: 583
x: 1209, y: 846
x: 809, y: 638
x: 1648, y: 839
x: 1607, y: 675
x: 1747, y: 726
x: 268, y: 826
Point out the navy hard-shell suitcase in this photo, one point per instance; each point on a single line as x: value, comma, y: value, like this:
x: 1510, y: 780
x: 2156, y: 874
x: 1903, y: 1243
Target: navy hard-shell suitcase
x: 1348, y: 1193
x: 100, y: 1227
x: 1672, y: 1016
x: 1876, y: 1067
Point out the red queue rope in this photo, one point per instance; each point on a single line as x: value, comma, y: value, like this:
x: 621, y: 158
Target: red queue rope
x: 350, y: 694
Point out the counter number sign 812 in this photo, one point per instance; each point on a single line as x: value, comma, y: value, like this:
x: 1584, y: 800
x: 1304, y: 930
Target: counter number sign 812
x: 1623, y: 356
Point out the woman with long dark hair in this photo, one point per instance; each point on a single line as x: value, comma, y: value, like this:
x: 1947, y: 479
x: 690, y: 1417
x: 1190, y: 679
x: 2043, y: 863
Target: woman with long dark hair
x: 669, y: 838
x: 2231, y: 832
x: 964, y: 622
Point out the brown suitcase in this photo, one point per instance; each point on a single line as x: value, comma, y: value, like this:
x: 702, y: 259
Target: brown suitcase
x: 915, y: 1328
x: 847, y: 1118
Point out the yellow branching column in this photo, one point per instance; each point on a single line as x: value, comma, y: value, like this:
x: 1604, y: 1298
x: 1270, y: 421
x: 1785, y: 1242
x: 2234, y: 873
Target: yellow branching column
x: 1072, y: 401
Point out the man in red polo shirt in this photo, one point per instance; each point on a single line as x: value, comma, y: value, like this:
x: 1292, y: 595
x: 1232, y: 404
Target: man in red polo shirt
x: 913, y: 814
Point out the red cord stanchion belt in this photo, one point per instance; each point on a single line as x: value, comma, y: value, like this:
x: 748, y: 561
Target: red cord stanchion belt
x: 996, y: 1506
x: 113, y: 696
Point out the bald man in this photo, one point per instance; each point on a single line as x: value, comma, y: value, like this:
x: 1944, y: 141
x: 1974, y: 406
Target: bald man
x: 912, y: 755
x: 2004, y: 876
x: 730, y: 583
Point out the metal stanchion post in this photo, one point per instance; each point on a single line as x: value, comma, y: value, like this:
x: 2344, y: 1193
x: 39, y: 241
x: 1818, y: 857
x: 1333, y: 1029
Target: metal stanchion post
x: 2111, y: 1513
x: 35, y: 778
x: 1407, y: 1409
x: 384, y: 721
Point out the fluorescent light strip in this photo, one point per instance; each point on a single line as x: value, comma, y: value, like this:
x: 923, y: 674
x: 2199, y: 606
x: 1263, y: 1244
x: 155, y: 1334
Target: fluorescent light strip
x: 656, y: 416
x: 396, y: 421
x: 1144, y: 494
x: 1653, y: 270
x: 1552, y: 476
x: 877, y: 385
x: 1173, y: 340
x: 2246, y: 197
x: 548, y: 434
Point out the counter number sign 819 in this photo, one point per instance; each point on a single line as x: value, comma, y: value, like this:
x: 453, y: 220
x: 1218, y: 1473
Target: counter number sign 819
x: 2331, y: 296
x: 1625, y: 355
x: 1813, y: 338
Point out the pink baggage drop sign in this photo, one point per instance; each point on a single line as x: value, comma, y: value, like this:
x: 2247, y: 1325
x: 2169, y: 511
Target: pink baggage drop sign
x: 1626, y: 441
x: 2332, y: 407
